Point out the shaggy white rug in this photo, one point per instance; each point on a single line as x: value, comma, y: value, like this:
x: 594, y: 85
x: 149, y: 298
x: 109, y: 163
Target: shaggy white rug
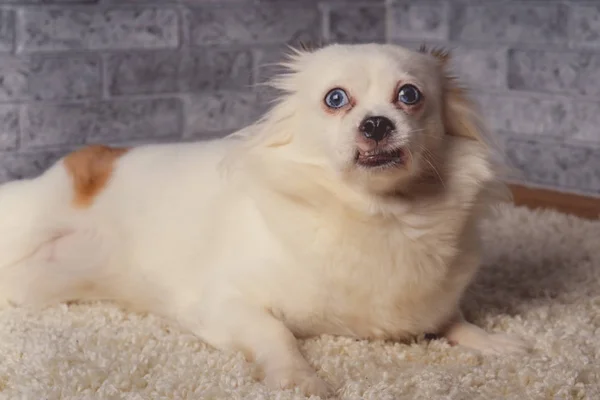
x: 541, y: 280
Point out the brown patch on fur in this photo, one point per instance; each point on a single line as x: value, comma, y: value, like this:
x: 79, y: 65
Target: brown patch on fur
x: 91, y: 168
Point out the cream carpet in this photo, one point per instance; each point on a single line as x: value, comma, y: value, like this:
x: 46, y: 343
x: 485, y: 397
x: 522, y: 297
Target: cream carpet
x: 541, y: 280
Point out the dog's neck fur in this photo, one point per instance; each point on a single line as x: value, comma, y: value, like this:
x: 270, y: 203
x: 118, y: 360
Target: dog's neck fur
x: 456, y: 178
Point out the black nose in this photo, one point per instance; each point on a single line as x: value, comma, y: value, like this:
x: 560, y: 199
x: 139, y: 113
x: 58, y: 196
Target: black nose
x: 376, y: 128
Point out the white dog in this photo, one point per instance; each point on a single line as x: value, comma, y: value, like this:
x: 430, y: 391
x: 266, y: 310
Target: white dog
x: 349, y: 209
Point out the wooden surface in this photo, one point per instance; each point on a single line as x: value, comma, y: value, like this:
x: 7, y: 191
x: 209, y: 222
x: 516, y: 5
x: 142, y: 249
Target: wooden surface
x: 582, y: 206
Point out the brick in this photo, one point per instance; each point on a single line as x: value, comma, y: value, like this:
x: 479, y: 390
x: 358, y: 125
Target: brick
x: 209, y: 69
x: 63, y: 29
x: 585, y: 25
x: 509, y: 22
x: 266, y: 3
x: 526, y: 115
x: 354, y: 24
x: 222, y: 111
x: 425, y: 20
x: 556, y: 164
x: 555, y: 72
x: 586, y: 120
x: 47, y: 2
x: 9, y: 127
x: 119, y: 120
x: 146, y: 2
x: 267, y: 61
x: 559, y: 117
x: 49, y: 77
x: 277, y: 22
x: 481, y: 67
x: 14, y: 166
x: 7, y: 30
x: 162, y: 72
x: 475, y: 66
x: 143, y: 73
x: 572, y: 120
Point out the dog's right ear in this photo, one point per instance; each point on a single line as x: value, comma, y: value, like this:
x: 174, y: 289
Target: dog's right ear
x: 443, y: 55
x: 462, y: 118
x: 308, y: 47
x: 461, y: 114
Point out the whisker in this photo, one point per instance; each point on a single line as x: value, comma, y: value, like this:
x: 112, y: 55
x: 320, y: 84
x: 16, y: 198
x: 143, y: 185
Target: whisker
x: 436, y: 172
x: 426, y: 152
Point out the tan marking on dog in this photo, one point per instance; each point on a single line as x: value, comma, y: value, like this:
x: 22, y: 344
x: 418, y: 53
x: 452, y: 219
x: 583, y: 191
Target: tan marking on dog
x: 91, y: 168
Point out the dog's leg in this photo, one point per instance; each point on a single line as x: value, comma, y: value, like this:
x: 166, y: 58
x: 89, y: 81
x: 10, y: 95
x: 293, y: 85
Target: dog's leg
x: 48, y: 252
x: 71, y: 265
x: 266, y: 340
x: 466, y: 334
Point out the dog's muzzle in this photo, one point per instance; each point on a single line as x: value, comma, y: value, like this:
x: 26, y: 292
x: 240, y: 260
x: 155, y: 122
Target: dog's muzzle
x: 373, y: 150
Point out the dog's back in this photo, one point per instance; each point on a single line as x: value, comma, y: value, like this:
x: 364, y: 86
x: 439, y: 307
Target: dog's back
x: 74, y: 232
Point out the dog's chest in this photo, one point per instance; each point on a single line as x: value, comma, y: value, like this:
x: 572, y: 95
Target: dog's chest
x: 379, y: 284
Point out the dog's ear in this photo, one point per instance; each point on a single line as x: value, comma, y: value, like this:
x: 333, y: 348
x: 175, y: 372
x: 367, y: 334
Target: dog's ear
x: 441, y: 54
x: 462, y: 118
x: 461, y: 114
x: 305, y: 46
x: 309, y: 47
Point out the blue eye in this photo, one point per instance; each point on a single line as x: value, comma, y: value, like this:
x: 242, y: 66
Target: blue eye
x: 409, y: 95
x: 336, y: 98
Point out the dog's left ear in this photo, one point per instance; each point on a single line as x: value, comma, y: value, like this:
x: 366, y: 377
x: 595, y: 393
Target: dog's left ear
x: 461, y: 115
x: 309, y: 47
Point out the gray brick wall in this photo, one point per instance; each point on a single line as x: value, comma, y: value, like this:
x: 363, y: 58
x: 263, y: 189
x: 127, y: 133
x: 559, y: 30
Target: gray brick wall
x: 131, y: 71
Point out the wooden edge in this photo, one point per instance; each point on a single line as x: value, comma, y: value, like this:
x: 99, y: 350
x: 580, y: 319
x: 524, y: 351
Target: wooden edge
x: 568, y: 203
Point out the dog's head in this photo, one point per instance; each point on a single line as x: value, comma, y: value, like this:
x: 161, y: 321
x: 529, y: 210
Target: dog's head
x: 375, y: 114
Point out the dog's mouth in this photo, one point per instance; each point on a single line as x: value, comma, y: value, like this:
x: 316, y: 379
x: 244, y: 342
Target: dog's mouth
x: 380, y: 158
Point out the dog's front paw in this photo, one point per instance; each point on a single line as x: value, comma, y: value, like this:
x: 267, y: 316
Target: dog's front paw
x: 500, y: 343
x: 468, y: 335
x: 305, y: 379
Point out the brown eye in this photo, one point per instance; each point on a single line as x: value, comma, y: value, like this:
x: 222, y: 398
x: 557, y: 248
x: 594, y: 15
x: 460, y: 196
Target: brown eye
x: 409, y: 95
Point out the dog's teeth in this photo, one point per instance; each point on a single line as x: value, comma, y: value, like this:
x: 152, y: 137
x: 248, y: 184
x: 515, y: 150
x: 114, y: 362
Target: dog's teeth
x: 370, y: 153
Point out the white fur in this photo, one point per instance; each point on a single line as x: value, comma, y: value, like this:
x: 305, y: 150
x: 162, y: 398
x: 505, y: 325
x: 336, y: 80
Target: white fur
x: 274, y: 232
